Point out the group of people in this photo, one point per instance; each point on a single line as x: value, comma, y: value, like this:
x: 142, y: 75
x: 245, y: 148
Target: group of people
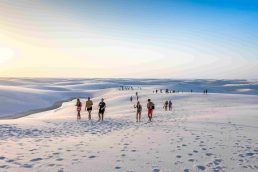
x: 137, y: 97
x: 129, y: 88
x: 88, y: 107
x: 168, y: 105
x: 102, y: 107
x: 166, y: 91
x: 150, y: 108
x: 205, y: 91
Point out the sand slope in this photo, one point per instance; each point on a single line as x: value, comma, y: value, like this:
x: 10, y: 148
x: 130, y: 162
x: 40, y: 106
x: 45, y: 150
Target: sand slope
x: 214, y: 132
x: 19, y: 97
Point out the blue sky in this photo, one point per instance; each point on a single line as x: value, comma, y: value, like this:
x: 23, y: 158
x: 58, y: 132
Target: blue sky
x: 180, y: 38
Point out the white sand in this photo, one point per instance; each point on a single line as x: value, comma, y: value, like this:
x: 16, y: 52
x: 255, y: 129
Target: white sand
x: 20, y: 97
x: 214, y: 132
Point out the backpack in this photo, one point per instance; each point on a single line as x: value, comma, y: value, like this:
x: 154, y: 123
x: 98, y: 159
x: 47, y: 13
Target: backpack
x: 152, y: 106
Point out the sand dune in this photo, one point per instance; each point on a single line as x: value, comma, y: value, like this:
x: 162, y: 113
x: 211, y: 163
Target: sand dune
x: 214, y: 132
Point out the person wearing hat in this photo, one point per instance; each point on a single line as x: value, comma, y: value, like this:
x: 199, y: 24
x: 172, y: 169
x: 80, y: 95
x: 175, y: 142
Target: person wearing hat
x: 102, y: 106
x: 88, y: 107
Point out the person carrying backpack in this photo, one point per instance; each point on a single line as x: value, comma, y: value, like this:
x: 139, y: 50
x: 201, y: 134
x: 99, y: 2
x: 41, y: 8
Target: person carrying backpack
x: 150, y: 107
x: 138, y: 111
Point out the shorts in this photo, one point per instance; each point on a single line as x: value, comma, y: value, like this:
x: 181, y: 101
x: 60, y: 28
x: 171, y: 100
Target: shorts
x: 150, y: 111
x: 89, y: 109
x: 101, y: 111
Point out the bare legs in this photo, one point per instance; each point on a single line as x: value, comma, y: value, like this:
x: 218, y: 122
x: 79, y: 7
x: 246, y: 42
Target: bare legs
x: 138, y: 116
x: 89, y: 115
x: 150, y: 114
x: 101, y: 116
x: 78, y: 115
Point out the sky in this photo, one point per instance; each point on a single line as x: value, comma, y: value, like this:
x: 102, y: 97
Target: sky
x: 215, y: 39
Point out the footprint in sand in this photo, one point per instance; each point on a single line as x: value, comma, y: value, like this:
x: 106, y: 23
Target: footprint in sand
x: 4, y: 166
x: 191, y: 160
x: 209, y: 154
x: 36, y: 159
x: 178, y: 156
x: 249, y: 154
x: 200, y: 167
x: 156, y: 170
x: 59, y: 159
x: 217, y: 161
x: 9, y: 161
x: 51, y: 165
x: 27, y: 165
x: 2, y: 157
x: 117, y: 167
x: 92, y: 156
x: 60, y: 170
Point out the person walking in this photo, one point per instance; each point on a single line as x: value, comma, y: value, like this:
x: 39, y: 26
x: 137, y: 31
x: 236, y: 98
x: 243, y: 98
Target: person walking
x: 131, y: 98
x: 166, y: 105
x: 88, y: 107
x: 170, y: 105
x: 138, y: 111
x: 102, y: 107
x: 150, y: 107
x: 79, y: 107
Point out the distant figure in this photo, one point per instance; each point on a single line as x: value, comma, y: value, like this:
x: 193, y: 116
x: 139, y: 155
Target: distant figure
x: 170, y: 105
x: 102, y: 107
x: 166, y: 105
x: 136, y: 93
x: 137, y: 97
x: 166, y: 90
x: 156, y: 91
x: 160, y: 90
x: 88, y: 107
x: 79, y: 107
x: 138, y: 111
x: 131, y: 98
x: 206, y: 91
x: 191, y: 90
x: 150, y: 107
